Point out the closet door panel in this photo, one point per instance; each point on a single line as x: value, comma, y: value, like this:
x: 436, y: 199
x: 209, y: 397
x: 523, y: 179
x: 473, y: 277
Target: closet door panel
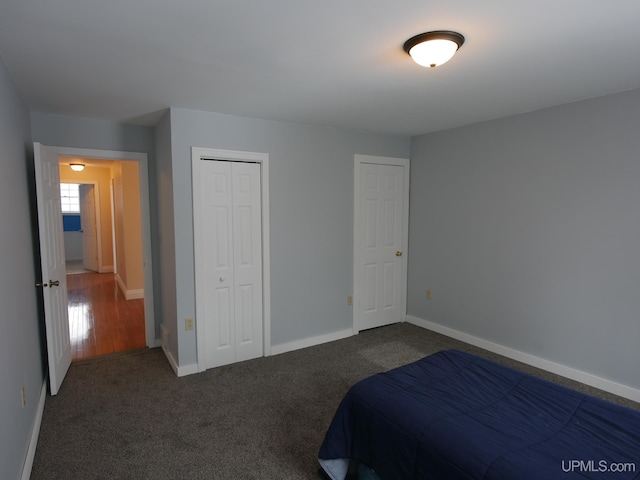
x: 247, y: 234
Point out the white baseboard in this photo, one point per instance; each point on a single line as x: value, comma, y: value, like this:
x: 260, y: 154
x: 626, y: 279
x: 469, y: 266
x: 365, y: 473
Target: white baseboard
x: 177, y: 369
x: 181, y: 371
x: 310, y: 342
x: 553, y: 367
x: 129, y: 294
x: 171, y: 359
x: 133, y: 294
x: 35, y: 433
x: 188, y: 370
x: 121, y: 285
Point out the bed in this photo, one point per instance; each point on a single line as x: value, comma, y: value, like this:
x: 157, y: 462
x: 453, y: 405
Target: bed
x: 453, y: 415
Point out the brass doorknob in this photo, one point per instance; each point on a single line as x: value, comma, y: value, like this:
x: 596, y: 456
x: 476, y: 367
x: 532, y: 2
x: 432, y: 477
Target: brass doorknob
x: 42, y: 284
x: 398, y: 253
x: 54, y: 283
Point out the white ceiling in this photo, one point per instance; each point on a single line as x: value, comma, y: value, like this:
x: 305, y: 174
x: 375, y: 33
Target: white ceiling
x: 336, y: 63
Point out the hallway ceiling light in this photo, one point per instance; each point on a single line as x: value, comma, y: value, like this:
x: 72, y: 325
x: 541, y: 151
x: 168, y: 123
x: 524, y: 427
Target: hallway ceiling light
x: 77, y: 167
x: 433, y: 48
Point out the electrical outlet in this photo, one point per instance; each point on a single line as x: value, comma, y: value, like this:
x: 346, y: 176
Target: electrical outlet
x: 23, y: 395
x: 349, y: 300
x: 428, y: 294
x: 188, y: 323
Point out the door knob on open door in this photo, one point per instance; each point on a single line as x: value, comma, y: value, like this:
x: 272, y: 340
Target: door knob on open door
x: 398, y: 253
x: 54, y: 283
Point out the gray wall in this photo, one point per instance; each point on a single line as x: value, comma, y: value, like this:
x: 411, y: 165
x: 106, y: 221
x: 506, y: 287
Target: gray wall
x: 311, y: 216
x: 165, y: 268
x: 78, y: 132
x: 21, y: 348
x: 91, y: 133
x: 527, y: 229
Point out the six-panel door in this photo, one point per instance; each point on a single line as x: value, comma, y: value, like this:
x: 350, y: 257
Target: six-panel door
x: 230, y: 230
x: 381, y: 244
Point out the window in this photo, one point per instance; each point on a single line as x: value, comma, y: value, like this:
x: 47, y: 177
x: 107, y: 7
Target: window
x: 70, y: 197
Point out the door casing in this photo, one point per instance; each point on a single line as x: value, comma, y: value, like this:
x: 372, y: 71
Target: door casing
x: 142, y: 160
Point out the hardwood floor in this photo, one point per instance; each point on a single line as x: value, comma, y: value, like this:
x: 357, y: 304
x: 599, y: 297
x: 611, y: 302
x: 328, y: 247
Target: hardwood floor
x: 101, y: 320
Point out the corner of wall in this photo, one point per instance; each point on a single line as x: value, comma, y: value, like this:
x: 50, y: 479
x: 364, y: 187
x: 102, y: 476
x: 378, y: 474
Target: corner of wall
x: 553, y: 367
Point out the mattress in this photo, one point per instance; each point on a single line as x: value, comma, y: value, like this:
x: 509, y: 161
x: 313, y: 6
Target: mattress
x: 453, y: 415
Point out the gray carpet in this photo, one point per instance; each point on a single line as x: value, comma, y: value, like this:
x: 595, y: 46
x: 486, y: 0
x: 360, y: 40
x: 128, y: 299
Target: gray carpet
x: 127, y: 416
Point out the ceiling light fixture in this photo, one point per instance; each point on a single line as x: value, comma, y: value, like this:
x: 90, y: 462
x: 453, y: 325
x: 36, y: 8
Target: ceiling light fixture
x: 77, y: 167
x: 433, y: 48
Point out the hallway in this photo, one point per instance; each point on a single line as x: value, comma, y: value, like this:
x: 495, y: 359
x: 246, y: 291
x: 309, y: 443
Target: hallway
x: 100, y: 319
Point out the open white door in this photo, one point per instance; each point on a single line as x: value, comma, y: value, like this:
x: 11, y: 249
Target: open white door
x: 89, y: 227
x: 54, y: 277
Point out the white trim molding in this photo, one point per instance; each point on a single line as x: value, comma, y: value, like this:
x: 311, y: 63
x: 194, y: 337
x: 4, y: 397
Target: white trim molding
x: 180, y: 371
x: 552, y: 367
x: 134, y: 294
x: 310, y: 342
x: 129, y: 294
x: 35, y: 433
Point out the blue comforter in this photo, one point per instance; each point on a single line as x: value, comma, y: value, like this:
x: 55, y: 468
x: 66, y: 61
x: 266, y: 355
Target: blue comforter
x: 453, y: 415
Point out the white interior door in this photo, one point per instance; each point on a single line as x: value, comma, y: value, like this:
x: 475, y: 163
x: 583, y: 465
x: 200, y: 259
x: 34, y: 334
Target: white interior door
x: 228, y: 245
x: 381, y: 239
x: 54, y: 279
x: 89, y: 227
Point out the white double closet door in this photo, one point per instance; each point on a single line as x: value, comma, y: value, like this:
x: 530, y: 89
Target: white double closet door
x: 228, y: 263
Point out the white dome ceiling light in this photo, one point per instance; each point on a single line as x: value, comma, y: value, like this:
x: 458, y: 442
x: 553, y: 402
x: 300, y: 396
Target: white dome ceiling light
x: 433, y: 48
